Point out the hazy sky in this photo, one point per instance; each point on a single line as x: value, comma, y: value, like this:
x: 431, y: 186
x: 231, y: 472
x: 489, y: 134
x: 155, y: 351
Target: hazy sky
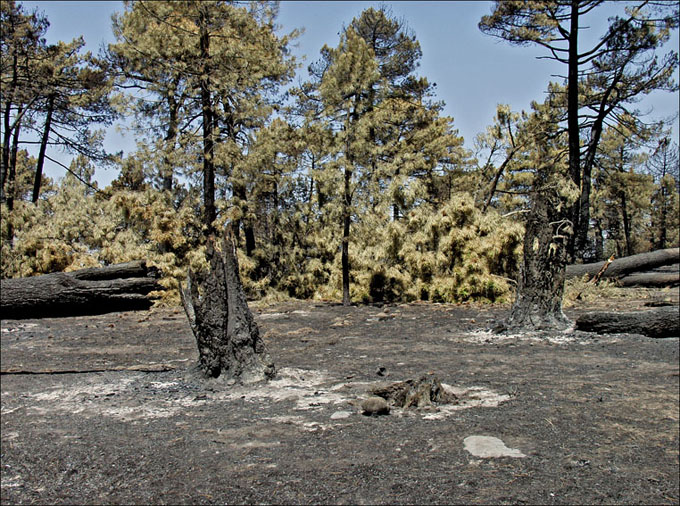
x: 473, y: 72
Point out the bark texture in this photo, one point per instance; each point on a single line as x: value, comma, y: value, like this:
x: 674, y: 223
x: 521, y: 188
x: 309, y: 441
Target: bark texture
x: 540, y: 287
x: 651, y: 279
x: 623, y: 266
x: 120, y: 287
x: 228, y: 339
x: 658, y: 322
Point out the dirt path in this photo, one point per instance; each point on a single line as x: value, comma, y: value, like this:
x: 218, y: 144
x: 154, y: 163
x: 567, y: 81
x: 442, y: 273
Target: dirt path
x: 586, y: 418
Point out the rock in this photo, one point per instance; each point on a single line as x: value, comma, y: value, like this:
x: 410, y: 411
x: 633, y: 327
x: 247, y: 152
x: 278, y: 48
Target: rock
x: 381, y: 371
x: 384, y: 316
x: 489, y: 447
x: 375, y: 406
x: 341, y: 414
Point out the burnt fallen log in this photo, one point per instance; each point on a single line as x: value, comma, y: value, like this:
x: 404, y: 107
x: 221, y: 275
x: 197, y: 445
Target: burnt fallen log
x: 651, y: 279
x: 657, y: 322
x: 625, y: 266
x: 120, y: 287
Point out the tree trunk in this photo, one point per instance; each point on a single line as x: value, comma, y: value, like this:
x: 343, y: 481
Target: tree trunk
x: 626, y: 265
x: 346, y: 220
x: 239, y: 190
x: 121, y: 287
x: 573, y: 128
x: 43, y: 147
x: 658, y: 322
x: 12, y: 174
x: 7, y: 133
x: 228, y: 339
x: 599, y: 242
x: 209, y: 212
x: 540, y: 287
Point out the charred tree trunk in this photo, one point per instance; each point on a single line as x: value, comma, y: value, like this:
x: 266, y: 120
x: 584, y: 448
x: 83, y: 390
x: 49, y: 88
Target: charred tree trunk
x: 651, y: 279
x: 540, y: 287
x: 43, y: 147
x: 208, y: 116
x: 121, y: 287
x: 228, y: 339
x: 573, y: 129
x: 658, y: 322
x: 346, y: 220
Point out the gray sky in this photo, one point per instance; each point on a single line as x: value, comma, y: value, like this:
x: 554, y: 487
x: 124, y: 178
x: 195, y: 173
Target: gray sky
x: 473, y: 72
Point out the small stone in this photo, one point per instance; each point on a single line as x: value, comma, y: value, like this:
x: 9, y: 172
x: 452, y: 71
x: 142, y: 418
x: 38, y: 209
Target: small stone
x: 341, y: 414
x: 381, y: 371
x: 375, y: 406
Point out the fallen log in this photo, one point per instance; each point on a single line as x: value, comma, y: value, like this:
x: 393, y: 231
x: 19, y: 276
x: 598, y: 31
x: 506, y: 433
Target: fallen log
x: 120, y: 287
x: 621, y: 267
x: 651, y: 279
x: 657, y: 322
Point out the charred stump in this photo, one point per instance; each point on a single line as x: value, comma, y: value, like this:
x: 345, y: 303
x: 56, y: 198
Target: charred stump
x: 228, y: 339
x: 657, y: 322
x: 422, y: 393
x: 97, y: 290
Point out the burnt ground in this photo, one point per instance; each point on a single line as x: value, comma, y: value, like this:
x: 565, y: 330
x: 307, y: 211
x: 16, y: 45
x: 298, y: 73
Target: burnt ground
x: 109, y: 409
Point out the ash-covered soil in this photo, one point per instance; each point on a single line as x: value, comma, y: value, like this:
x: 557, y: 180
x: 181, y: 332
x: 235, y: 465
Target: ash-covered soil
x: 109, y: 409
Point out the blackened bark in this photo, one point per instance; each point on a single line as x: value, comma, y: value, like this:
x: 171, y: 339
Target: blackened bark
x: 626, y: 223
x: 248, y: 229
x: 627, y: 265
x: 7, y: 131
x: 346, y: 220
x: 228, y: 339
x: 43, y: 147
x: 651, y: 279
x: 572, y: 118
x: 120, y: 287
x: 658, y: 322
x: 540, y: 287
x: 209, y: 211
x: 12, y: 173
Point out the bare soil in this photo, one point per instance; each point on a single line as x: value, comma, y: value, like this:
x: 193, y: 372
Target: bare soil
x: 109, y: 409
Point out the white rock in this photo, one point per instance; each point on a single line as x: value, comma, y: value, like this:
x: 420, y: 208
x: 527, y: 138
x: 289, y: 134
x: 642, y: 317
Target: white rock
x: 341, y: 414
x: 489, y: 447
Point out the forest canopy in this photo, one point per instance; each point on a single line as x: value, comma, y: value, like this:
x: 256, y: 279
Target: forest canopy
x: 350, y: 186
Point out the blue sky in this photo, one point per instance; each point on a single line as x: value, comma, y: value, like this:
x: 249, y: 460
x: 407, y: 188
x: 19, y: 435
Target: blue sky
x: 473, y: 72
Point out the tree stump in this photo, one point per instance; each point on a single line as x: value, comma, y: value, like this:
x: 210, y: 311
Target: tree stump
x: 228, y: 339
x: 422, y: 393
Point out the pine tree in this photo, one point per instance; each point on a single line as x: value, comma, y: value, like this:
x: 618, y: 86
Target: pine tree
x: 664, y: 166
x: 601, y: 80
x: 390, y: 148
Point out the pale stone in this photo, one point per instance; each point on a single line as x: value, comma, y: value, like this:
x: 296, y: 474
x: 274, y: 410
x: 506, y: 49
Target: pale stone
x: 489, y: 447
x: 341, y: 414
